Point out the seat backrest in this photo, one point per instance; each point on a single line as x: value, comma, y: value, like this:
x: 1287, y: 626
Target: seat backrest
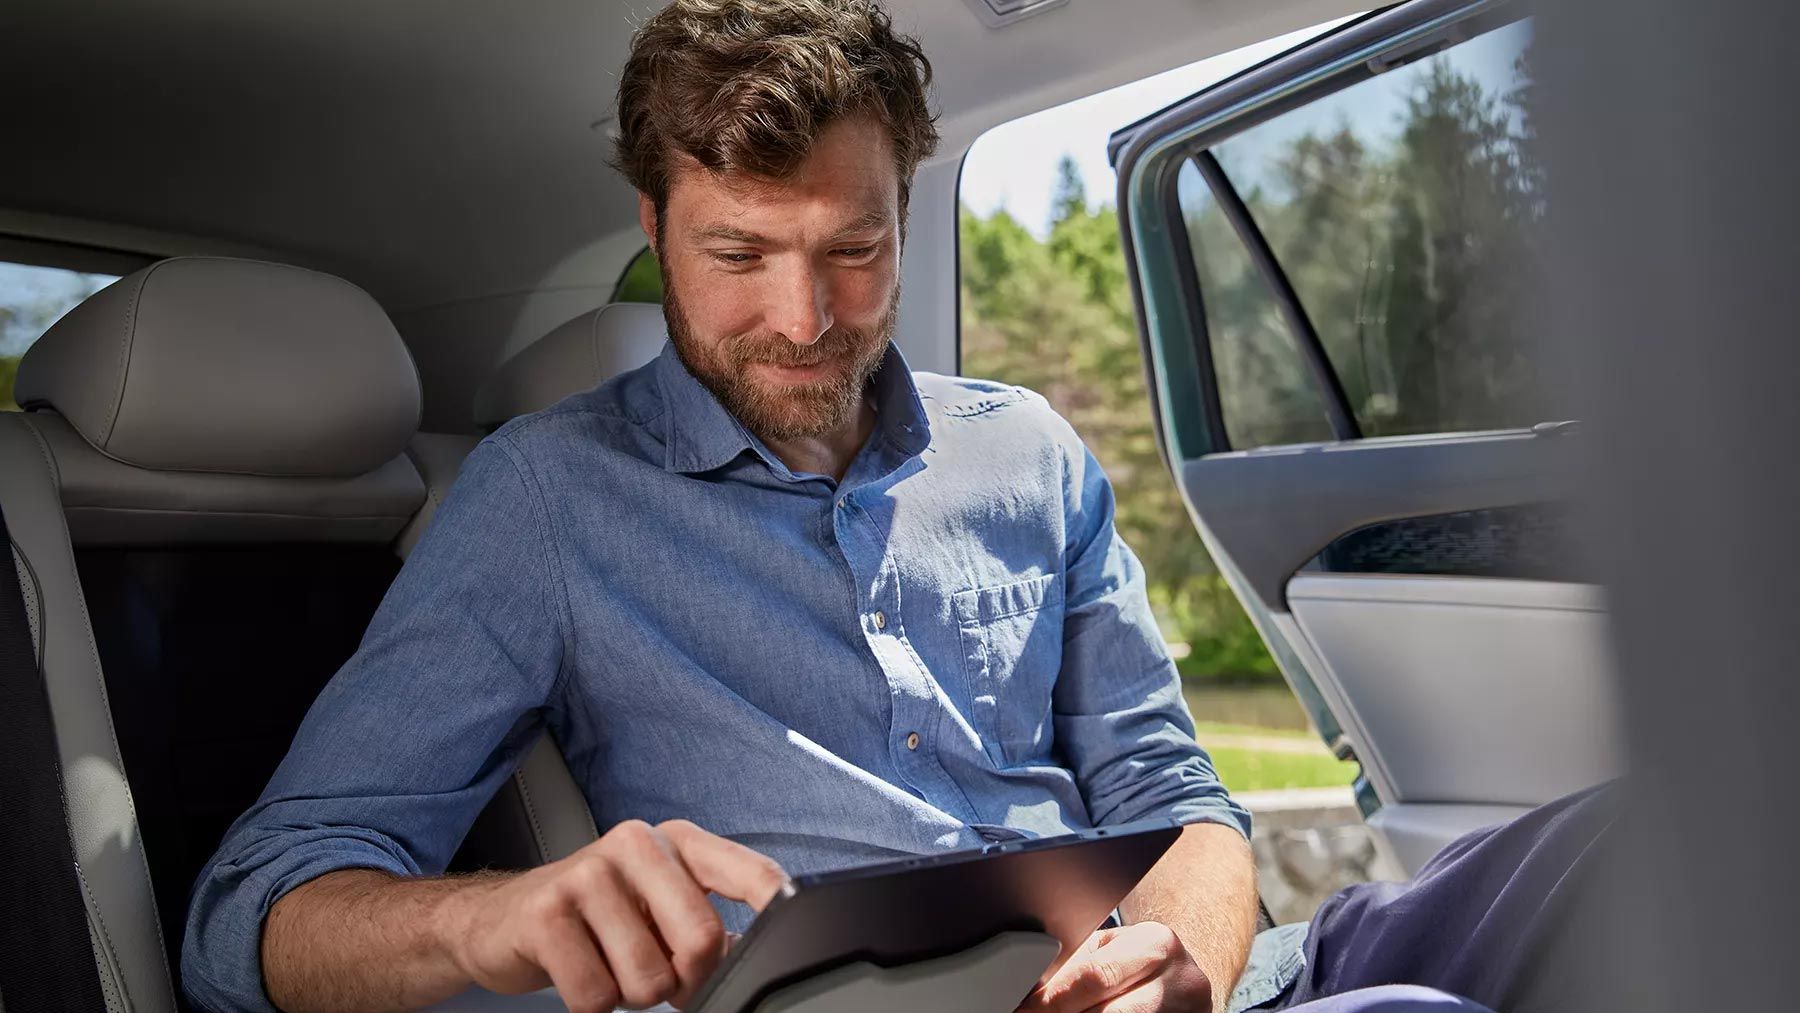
x: 579, y: 355
x: 206, y: 485
x: 208, y: 491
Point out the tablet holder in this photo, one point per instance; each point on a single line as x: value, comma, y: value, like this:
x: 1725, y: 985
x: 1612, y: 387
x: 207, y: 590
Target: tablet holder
x: 990, y: 977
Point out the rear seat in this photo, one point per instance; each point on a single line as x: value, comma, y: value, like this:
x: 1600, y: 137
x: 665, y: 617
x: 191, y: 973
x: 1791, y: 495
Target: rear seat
x: 578, y: 355
x: 215, y: 472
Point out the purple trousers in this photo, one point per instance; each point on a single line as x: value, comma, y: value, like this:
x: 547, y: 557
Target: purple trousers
x: 1482, y: 927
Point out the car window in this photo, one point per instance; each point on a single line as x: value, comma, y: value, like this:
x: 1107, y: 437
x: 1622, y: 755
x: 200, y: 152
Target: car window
x: 31, y: 299
x: 1266, y: 395
x: 1404, y: 211
x: 641, y: 281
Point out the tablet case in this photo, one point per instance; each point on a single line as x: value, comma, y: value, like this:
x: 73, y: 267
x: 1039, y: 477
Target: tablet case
x: 991, y: 977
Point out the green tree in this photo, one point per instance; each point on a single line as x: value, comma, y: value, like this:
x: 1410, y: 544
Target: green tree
x: 1055, y: 315
x: 1070, y: 196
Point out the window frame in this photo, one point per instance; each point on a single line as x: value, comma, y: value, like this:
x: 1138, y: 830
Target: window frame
x: 1148, y: 154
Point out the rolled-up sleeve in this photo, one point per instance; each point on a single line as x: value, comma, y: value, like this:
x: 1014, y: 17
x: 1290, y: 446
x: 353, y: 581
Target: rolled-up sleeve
x: 411, y: 737
x: 1121, y: 721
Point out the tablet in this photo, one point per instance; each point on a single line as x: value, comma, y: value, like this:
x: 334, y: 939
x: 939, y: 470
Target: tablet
x: 895, y: 913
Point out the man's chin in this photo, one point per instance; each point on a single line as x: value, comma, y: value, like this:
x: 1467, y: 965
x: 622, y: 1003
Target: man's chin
x: 788, y: 412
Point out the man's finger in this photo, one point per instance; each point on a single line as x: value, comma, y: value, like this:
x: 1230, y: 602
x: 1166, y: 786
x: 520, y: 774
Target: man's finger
x: 1117, y: 961
x: 690, y: 929
x: 569, y: 956
x: 726, y: 867
x: 633, y: 952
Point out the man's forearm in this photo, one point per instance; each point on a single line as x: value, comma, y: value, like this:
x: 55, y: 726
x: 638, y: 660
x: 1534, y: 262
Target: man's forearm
x: 1204, y: 889
x: 360, y: 939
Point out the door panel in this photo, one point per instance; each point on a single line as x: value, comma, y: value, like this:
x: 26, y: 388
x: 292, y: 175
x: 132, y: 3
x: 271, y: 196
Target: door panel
x: 1273, y: 509
x: 1466, y: 690
x: 1340, y: 243
x: 1416, y: 831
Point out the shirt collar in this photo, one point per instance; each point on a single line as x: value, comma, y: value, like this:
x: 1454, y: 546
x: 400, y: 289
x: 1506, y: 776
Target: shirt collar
x: 703, y: 435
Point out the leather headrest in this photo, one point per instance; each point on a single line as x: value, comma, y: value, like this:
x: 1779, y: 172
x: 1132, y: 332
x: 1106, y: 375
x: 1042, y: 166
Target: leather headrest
x: 219, y: 365
x: 579, y: 355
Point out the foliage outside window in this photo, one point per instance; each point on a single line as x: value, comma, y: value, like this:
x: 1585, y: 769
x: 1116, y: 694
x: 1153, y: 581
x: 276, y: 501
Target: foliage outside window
x: 642, y: 280
x: 31, y: 299
x: 1055, y: 315
x: 1405, y: 212
x: 1266, y: 395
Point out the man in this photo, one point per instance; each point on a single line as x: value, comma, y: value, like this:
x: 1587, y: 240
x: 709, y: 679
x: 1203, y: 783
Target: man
x: 784, y: 603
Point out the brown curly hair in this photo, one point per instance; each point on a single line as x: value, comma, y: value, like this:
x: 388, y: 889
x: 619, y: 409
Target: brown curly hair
x: 748, y: 85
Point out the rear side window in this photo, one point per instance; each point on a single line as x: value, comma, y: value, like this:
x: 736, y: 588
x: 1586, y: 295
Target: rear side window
x: 31, y: 299
x: 1265, y: 393
x: 1404, y: 213
x: 641, y: 281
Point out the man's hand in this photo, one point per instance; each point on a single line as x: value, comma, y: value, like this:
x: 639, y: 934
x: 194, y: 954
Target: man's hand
x: 1141, y: 968
x: 623, y: 920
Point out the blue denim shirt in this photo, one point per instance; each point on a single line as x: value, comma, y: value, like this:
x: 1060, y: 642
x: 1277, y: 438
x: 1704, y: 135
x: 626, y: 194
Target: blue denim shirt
x: 949, y: 646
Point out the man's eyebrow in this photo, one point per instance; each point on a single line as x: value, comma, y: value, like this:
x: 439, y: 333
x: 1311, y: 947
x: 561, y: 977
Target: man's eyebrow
x: 873, y: 218
x: 863, y: 223
x: 730, y: 233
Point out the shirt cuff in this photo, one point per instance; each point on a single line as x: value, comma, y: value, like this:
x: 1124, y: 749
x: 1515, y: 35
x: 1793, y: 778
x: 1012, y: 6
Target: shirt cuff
x: 221, y: 954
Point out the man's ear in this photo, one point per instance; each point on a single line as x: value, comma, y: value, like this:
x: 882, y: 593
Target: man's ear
x: 647, y: 217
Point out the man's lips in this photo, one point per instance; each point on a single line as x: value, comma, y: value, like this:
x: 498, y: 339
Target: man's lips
x: 797, y: 374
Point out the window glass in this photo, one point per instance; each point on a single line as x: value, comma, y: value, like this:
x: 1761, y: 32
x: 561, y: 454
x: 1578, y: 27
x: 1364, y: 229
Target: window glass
x: 1405, y: 211
x: 642, y: 280
x: 31, y: 299
x: 1265, y: 393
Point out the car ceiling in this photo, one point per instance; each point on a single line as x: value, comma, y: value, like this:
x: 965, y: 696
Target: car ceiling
x: 443, y: 150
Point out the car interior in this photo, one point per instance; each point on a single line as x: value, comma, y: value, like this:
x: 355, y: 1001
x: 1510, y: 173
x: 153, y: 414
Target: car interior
x: 353, y: 238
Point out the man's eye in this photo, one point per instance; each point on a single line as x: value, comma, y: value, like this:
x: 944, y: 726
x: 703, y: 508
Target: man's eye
x: 734, y: 258
x: 854, y: 252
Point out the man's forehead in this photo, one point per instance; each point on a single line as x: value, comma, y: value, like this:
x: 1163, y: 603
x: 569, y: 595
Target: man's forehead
x: 848, y: 182
x: 773, y: 222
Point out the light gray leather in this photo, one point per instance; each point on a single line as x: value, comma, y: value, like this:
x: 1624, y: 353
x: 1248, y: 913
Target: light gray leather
x: 577, y: 356
x: 540, y: 815
x: 115, y: 879
x: 561, y: 823
x: 1419, y: 830
x: 1466, y: 689
x: 438, y: 458
x: 29, y: 591
x: 109, y: 503
x: 218, y: 365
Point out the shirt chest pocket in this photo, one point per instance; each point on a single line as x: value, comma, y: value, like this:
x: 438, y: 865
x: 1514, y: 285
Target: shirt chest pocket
x: 1011, y: 638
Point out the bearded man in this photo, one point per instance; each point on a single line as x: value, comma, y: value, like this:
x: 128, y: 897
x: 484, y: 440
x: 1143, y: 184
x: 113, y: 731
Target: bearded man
x: 784, y: 603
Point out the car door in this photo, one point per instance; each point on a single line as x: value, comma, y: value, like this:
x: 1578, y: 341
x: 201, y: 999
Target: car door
x: 1332, y: 256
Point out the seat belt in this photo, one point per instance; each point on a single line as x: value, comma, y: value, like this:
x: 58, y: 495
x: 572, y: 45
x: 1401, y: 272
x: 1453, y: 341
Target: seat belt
x: 46, y: 957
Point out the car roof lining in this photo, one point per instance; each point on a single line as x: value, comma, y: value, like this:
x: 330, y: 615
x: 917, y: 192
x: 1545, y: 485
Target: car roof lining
x: 430, y: 151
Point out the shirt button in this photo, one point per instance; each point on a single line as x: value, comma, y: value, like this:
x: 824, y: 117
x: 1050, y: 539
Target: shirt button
x: 844, y: 504
x: 912, y: 740
x: 881, y: 620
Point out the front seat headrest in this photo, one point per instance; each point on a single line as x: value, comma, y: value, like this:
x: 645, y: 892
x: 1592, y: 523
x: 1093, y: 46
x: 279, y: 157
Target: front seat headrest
x: 579, y: 355
x: 219, y: 365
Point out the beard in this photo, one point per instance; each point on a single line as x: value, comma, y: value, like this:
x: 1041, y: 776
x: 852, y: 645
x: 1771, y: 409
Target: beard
x: 773, y: 410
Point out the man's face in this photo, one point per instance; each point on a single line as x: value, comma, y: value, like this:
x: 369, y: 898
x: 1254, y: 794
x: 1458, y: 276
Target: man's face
x: 780, y: 297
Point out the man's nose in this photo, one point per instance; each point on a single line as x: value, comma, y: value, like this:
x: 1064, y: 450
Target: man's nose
x: 803, y: 308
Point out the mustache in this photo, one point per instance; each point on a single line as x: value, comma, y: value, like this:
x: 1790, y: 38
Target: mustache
x: 776, y: 350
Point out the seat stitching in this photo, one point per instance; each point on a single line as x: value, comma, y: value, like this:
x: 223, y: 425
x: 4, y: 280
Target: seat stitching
x: 431, y: 489
x: 112, y: 961
x: 125, y: 342
x: 537, y: 830
x: 87, y: 627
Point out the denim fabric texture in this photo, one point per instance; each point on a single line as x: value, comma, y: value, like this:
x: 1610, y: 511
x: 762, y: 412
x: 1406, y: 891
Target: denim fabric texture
x: 950, y: 646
